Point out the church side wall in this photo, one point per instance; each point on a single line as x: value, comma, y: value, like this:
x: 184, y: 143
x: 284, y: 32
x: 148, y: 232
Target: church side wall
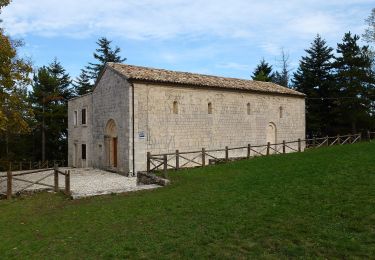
x: 159, y: 130
x: 78, y: 133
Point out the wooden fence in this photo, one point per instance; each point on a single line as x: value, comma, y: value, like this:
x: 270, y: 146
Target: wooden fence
x: 10, y: 177
x: 179, y: 160
x: 30, y: 165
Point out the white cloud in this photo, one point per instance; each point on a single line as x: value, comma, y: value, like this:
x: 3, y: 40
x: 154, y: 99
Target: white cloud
x: 166, y: 19
x: 218, y: 35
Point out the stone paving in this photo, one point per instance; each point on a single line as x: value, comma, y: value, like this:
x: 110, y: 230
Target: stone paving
x: 83, y: 182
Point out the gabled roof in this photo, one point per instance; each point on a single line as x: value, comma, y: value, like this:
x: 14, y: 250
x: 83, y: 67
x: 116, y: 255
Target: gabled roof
x: 144, y: 74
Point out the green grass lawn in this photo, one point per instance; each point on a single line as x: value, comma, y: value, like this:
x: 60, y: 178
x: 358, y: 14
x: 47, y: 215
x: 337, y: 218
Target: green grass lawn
x: 316, y: 204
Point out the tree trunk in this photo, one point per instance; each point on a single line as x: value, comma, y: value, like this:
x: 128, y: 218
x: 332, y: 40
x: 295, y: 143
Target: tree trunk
x: 7, y: 146
x: 43, y: 136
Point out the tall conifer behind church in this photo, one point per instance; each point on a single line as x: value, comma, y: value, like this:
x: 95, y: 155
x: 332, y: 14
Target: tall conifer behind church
x: 82, y: 84
x: 263, y: 72
x: 314, y: 77
x: 105, y: 53
x: 50, y: 94
x: 356, y: 81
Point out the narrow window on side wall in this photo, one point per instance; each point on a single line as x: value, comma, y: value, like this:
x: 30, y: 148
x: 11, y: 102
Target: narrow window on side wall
x: 75, y: 118
x: 83, y: 151
x: 83, y: 116
x: 209, y: 108
x: 175, y: 107
x: 281, y: 112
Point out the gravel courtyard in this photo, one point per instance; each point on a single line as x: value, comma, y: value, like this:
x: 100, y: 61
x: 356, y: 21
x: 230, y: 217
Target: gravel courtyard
x: 83, y: 182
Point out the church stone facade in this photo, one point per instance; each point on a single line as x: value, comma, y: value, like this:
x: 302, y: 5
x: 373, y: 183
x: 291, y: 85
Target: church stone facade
x: 134, y: 110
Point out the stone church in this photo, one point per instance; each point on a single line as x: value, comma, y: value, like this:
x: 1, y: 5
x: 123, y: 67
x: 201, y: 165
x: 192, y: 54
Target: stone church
x: 134, y: 110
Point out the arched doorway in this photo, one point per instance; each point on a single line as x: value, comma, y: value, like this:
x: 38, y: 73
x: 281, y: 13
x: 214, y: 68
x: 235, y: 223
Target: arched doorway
x: 271, y: 133
x: 111, y: 141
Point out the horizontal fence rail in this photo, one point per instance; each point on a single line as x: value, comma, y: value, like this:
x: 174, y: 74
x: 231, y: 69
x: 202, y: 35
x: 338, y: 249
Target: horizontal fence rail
x: 29, y: 165
x: 36, y: 178
x: 200, y: 158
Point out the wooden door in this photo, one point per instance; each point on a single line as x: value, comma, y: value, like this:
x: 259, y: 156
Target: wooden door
x: 115, y: 152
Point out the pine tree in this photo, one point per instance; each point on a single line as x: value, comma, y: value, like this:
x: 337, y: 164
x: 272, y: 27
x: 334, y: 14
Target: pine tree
x: 263, y: 72
x: 314, y: 77
x: 51, y: 91
x: 103, y: 54
x: 356, y: 84
x: 82, y: 84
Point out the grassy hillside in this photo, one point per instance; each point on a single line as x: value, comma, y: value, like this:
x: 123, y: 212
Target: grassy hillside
x: 317, y: 204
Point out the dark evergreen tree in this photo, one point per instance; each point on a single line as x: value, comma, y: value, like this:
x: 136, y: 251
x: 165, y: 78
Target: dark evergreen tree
x: 82, y: 84
x: 105, y: 53
x: 356, y: 85
x: 314, y: 77
x: 50, y: 93
x: 263, y: 72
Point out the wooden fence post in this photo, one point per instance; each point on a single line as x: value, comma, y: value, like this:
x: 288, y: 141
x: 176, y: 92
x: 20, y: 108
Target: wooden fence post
x: 327, y: 139
x: 338, y: 139
x: 165, y: 168
x: 268, y: 148
x: 9, y: 184
x: 248, y: 151
x: 368, y: 136
x: 30, y: 165
x: 177, y: 160
x: 299, y: 145
x: 203, y: 157
x: 148, y: 162
x: 56, y: 178
x: 67, y: 183
x: 284, y: 146
x: 226, y: 153
x: 314, y: 142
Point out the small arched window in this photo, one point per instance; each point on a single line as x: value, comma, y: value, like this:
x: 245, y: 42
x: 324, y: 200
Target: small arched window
x: 209, y: 108
x: 175, y: 107
x: 281, y: 112
x: 248, y: 109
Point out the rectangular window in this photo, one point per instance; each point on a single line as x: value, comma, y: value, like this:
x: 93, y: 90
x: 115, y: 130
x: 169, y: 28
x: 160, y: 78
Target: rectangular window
x: 83, y: 116
x: 83, y: 151
x: 75, y: 118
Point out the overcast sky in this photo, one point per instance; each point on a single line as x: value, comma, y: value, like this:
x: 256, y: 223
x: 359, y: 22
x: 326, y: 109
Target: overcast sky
x: 226, y: 38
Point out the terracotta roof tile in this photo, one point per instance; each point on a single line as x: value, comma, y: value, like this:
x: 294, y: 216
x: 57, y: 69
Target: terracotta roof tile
x: 167, y: 76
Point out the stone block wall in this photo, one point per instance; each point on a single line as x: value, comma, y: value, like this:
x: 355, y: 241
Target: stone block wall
x: 79, y: 133
x: 159, y: 130
x: 237, y: 118
x: 111, y: 102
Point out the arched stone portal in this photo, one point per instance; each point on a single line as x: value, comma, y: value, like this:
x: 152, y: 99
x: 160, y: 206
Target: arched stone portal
x: 271, y: 133
x: 111, y: 141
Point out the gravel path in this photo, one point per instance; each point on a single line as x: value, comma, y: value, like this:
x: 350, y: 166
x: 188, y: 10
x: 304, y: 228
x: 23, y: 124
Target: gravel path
x: 83, y: 182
